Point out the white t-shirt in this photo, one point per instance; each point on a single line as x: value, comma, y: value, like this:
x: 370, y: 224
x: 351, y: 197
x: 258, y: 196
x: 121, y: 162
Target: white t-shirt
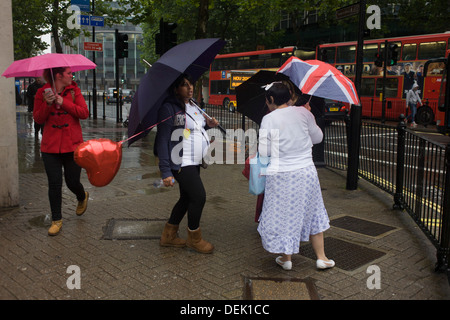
x: 287, y: 136
x: 195, y: 142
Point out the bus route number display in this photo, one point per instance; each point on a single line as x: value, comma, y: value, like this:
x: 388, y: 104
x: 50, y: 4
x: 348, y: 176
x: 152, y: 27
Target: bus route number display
x: 237, y: 79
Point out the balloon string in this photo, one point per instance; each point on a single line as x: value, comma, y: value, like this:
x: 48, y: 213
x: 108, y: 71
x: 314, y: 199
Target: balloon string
x: 151, y: 127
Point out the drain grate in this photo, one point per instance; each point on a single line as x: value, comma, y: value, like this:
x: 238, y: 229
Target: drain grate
x: 362, y: 226
x: 279, y: 289
x: 348, y: 256
x: 133, y: 229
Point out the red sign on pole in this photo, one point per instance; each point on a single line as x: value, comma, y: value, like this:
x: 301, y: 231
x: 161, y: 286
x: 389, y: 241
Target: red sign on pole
x: 93, y: 46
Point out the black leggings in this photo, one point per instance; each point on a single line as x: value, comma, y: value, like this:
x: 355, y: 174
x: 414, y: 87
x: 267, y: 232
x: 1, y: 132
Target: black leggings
x: 54, y: 163
x: 192, y: 197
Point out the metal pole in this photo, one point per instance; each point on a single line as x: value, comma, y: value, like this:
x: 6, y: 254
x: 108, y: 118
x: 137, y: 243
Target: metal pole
x: 353, y: 147
x: 117, y: 80
x: 383, y: 92
x: 359, y: 49
x: 398, y: 196
x: 355, y: 113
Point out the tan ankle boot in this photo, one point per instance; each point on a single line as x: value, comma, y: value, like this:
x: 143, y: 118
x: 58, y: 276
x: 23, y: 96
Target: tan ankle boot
x: 169, y: 237
x: 82, y: 205
x: 195, y: 241
x: 55, y: 228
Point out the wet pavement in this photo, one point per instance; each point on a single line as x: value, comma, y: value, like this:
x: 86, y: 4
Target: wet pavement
x: 115, y: 246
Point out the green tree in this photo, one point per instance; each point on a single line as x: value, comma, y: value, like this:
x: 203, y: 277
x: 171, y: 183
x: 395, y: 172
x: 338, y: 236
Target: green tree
x: 28, y: 27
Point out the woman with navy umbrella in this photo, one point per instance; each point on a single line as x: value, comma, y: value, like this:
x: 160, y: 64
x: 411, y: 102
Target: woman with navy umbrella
x: 180, y: 159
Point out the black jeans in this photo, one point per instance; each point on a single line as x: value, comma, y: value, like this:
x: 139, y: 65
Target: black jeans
x: 54, y: 164
x: 192, y: 197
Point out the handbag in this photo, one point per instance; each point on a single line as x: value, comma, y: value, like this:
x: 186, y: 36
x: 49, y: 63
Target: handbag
x: 257, y: 177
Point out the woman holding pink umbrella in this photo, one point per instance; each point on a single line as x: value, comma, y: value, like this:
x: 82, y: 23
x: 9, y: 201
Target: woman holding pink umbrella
x: 59, y: 105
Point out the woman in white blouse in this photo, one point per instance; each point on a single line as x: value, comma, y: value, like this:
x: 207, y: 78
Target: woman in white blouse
x: 293, y: 208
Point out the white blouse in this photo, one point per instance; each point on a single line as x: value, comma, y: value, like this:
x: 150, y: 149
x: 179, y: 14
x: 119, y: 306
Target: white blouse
x: 287, y: 136
x: 195, y: 140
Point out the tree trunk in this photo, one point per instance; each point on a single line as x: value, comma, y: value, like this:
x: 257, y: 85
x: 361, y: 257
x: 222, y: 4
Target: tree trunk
x: 203, y: 15
x: 55, y: 34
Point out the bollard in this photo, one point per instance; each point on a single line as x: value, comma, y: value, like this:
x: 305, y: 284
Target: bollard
x: 398, y: 196
x: 353, y: 147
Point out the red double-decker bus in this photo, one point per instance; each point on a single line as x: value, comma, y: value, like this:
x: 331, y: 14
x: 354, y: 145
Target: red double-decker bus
x: 413, y: 53
x: 230, y: 70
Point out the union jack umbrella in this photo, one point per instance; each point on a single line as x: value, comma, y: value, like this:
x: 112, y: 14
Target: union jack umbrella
x: 320, y: 79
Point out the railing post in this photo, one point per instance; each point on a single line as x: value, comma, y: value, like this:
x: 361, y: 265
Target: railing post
x: 104, y: 101
x: 89, y: 103
x: 353, y: 147
x: 398, y: 196
x: 443, y: 252
x: 419, y: 180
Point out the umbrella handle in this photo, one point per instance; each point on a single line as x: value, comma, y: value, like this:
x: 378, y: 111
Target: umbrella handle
x: 219, y: 126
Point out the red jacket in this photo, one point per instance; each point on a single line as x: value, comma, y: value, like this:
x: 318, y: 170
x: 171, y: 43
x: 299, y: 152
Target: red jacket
x: 62, y: 130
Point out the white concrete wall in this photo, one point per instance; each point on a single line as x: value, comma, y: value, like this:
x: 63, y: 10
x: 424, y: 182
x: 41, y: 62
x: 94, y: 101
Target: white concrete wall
x: 9, y: 170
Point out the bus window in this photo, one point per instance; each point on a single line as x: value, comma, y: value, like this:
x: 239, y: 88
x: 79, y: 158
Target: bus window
x: 369, y: 52
x: 409, y: 51
x: 346, y: 54
x: 327, y: 54
x: 257, y: 62
x: 390, y: 89
x: 242, y: 63
x: 272, y: 61
x: 284, y: 57
x: 367, y: 87
x: 430, y: 50
x: 223, y: 64
x: 221, y: 87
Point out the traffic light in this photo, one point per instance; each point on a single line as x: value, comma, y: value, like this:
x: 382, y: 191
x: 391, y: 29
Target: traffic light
x: 166, y: 38
x: 378, y: 60
x: 392, y: 55
x: 122, y: 45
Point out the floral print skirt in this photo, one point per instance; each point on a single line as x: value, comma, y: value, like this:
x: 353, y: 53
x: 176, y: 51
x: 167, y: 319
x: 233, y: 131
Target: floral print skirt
x: 293, y: 209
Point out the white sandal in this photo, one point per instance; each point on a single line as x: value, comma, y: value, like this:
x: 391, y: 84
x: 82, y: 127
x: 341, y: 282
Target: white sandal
x: 286, y: 265
x: 322, y: 264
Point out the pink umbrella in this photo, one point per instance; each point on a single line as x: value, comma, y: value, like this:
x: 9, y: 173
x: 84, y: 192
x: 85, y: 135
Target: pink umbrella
x: 33, y: 67
x: 320, y: 79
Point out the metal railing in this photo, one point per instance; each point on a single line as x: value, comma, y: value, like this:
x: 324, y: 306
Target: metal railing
x: 407, y: 165
x: 412, y: 168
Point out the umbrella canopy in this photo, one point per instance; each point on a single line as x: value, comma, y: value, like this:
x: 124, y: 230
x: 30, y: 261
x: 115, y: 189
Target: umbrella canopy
x: 251, y: 97
x: 320, y: 79
x: 33, y: 67
x: 192, y: 57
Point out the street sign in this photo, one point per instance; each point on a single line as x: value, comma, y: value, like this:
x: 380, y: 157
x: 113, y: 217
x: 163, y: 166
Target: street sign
x: 84, y: 20
x: 84, y: 5
x: 93, y: 46
x: 93, y: 21
x: 97, y: 21
x: 347, y: 11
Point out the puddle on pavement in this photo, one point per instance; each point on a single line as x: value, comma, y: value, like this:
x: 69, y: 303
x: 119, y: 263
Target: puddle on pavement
x: 152, y: 190
x: 154, y: 175
x: 42, y: 221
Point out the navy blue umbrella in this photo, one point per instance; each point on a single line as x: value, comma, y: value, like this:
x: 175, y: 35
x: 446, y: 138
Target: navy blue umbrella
x: 192, y: 57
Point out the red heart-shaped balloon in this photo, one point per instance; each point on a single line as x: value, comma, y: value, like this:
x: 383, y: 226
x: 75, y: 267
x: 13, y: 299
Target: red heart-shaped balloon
x: 101, y: 158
